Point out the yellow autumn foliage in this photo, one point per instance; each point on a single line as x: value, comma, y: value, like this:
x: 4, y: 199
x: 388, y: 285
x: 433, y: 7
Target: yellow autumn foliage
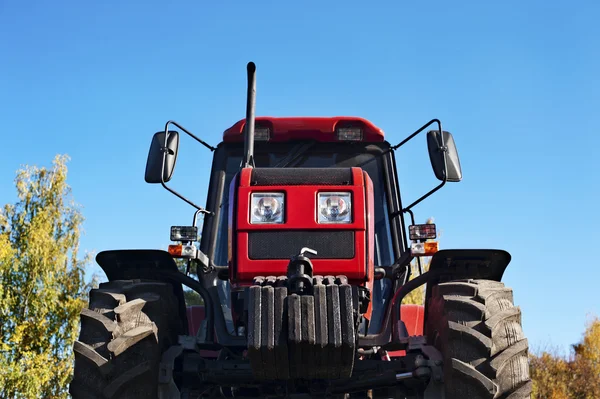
x: 573, y: 377
x: 42, y: 286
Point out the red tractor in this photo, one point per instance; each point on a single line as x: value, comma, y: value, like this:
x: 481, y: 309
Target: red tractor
x: 302, y: 265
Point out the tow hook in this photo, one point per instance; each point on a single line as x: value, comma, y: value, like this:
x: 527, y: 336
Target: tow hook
x: 300, y: 273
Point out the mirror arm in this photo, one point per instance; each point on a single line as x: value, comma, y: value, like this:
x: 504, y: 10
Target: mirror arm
x: 200, y: 209
x: 442, y: 148
x: 425, y: 126
x: 195, y: 220
x: 210, y: 147
x: 412, y: 222
x: 408, y: 208
x: 165, y: 150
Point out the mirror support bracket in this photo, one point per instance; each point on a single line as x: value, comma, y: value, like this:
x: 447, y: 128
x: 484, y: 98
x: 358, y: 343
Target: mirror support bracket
x: 210, y: 147
x: 425, y: 126
x: 443, y: 148
x: 166, y: 150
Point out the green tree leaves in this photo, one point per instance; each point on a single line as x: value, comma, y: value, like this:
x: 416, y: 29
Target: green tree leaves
x: 41, y: 284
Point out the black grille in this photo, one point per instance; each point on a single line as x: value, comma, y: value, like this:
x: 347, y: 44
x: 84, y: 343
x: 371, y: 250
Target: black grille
x: 301, y: 176
x: 285, y: 244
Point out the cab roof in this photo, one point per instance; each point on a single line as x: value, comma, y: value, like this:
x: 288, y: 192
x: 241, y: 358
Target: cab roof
x: 301, y: 128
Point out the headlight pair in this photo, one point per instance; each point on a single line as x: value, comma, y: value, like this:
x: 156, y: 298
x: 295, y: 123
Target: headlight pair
x: 332, y: 207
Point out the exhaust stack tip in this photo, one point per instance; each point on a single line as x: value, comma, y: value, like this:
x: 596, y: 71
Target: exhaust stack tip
x: 250, y: 116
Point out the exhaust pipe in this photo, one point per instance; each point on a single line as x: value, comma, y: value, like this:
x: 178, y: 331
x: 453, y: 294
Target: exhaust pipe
x: 250, y: 115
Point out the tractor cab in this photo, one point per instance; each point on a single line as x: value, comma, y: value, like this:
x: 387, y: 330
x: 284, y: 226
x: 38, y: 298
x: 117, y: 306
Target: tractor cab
x: 304, y: 145
x: 326, y: 184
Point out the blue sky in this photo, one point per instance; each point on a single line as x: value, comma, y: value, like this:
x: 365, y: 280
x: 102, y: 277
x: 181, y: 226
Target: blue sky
x: 516, y: 82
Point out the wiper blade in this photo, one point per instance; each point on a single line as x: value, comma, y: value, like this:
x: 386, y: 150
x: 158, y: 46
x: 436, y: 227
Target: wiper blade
x: 295, y: 154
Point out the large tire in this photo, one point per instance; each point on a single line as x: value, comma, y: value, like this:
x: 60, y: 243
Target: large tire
x: 128, y: 325
x: 478, y: 330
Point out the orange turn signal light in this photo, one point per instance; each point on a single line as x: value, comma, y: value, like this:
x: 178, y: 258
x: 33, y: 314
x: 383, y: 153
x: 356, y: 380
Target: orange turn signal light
x: 427, y: 248
x: 183, y: 251
x: 175, y: 250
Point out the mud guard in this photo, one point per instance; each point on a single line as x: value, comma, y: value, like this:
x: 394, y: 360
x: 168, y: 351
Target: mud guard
x: 453, y: 264
x: 143, y: 264
x: 487, y: 264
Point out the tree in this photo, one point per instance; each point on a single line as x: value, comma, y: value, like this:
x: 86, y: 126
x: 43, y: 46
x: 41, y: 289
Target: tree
x: 42, y: 288
x: 586, y: 361
x: 575, y: 377
x: 550, y: 375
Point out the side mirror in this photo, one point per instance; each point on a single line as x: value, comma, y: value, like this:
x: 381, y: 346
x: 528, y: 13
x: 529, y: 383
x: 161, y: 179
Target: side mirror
x: 436, y: 156
x: 155, y: 173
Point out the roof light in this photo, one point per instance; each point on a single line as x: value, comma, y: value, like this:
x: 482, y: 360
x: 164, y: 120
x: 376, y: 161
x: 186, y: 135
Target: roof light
x: 184, y: 233
x: 262, y: 134
x: 419, y: 232
x: 428, y: 248
x: 349, y: 133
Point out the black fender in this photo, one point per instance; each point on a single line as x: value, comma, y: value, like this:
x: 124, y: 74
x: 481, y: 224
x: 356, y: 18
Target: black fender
x: 143, y: 264
x: 453, y: 264
x: 487, y: 264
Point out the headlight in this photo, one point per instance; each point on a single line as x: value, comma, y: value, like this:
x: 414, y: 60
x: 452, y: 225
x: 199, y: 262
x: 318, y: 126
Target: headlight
x: 335, y: 208
x: 266, y: 208
x: 184, y: 233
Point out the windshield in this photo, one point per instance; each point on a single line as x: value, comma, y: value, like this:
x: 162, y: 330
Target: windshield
x: 308, y: 155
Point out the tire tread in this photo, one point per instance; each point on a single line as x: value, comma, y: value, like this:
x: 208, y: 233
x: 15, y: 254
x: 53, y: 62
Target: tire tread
x: 478, y: 330
x: 119, y: 346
